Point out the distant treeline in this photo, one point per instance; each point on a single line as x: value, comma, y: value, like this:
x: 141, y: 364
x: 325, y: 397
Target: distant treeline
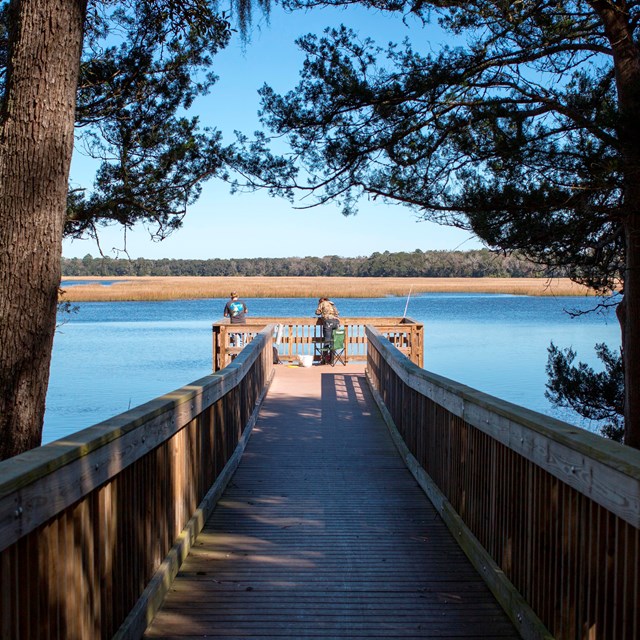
x: 431, y: 264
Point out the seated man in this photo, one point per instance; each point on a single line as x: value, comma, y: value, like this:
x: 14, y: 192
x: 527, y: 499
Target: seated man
x: 330, y: 319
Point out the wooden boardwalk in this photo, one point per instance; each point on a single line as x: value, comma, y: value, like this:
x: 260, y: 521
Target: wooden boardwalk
x: 323, y: 533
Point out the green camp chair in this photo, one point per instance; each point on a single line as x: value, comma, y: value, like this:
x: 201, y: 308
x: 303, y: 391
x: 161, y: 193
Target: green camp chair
x: 337, y: 353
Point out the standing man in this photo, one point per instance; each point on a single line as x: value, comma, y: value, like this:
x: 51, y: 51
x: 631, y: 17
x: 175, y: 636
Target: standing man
x: 236, y: 310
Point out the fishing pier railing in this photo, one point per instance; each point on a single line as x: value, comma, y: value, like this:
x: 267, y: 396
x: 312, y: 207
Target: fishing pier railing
x: 548, y: 513
x: 300, y: 336
x: 94, y: 527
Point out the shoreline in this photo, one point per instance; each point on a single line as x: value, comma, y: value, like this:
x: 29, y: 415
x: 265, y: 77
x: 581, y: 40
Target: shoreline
x: 156, y: 288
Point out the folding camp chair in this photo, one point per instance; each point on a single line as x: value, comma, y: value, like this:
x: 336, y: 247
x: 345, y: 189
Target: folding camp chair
x: 337, y: 350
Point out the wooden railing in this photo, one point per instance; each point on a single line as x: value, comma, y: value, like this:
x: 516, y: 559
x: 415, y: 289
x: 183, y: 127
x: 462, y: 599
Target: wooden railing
x: 548, y: 513
x: 92, y: 527
x: 300, y: 336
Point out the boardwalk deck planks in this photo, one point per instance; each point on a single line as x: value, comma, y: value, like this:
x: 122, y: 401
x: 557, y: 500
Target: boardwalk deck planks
x: 323, y: 533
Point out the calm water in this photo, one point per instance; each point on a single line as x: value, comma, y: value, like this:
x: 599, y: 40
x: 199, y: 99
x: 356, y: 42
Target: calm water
x: 110, y: 357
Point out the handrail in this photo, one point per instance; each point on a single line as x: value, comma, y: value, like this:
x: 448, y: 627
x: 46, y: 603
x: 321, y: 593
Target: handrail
x: 548, y: 513
x: 91, y: 525
x: 301, y: 336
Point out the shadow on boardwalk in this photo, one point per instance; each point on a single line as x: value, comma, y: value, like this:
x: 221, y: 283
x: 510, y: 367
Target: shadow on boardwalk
x: 323, y: 533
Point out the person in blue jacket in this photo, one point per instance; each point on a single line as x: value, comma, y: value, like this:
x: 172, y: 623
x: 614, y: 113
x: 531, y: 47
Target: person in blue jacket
x: 236, y: 310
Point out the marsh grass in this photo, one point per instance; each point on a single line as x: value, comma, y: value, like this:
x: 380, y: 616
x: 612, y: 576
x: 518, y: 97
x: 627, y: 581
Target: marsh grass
x: 183, y: 287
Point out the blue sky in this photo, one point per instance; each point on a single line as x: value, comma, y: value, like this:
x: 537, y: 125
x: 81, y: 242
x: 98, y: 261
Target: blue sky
x: 221, y: 225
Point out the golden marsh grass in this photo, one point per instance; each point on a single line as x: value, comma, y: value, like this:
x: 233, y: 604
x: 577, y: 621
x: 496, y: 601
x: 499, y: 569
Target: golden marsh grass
x: 187, y: 287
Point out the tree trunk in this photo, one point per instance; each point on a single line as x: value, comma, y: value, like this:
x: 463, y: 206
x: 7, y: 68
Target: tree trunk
x: 631, y: 334
x: 36, y: 143
x: 628, y: 78
x: 626, y: 61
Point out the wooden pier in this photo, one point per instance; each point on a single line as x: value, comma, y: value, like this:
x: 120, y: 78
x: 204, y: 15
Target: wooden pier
x: 302, y: 336
x: 268, y: 500
x: 323, y: 533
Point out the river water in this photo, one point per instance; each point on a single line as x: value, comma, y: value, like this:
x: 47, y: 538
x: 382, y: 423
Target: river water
x: 111, y: 356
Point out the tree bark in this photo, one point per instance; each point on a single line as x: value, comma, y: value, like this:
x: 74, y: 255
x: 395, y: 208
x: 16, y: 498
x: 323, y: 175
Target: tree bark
x: 631, y: 335
x: 626, y: 60
x: 36, y: 144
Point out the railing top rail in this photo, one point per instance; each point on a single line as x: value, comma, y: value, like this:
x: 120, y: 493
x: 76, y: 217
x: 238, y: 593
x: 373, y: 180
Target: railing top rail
x: 606, y: 471
x: 375, y: 321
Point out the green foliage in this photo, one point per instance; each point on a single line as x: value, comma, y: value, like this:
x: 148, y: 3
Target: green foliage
x: 514, y: 136
x: 144, y: 64
x: 434, y: 264
x: 594, y: 395
x: 64, y: 311
x: 518, y: 133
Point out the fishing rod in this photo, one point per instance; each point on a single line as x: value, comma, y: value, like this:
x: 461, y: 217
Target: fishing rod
x: 406, y: 306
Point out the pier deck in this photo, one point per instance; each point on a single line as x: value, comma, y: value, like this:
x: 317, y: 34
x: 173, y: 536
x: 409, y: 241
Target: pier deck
x: 323, y: 533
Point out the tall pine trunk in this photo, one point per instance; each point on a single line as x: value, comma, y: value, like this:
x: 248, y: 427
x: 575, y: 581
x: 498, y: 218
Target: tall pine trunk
x: 631, y: 334
x: 36, y: 143
x: 626, y: 61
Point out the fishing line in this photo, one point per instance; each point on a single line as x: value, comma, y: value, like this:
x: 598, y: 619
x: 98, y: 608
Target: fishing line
x: 406, y: 306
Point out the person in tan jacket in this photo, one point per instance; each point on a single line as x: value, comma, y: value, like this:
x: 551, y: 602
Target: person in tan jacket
x: 329, y: 317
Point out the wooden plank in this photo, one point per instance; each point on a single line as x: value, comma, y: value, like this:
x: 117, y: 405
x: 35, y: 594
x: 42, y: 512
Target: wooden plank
x: 512, y: 449
x: 323, y: 532
x: 115, y: 497
x: 600, y: 469
x: 152, y: 596
x: 38, y: 484
x: 528, y: 623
